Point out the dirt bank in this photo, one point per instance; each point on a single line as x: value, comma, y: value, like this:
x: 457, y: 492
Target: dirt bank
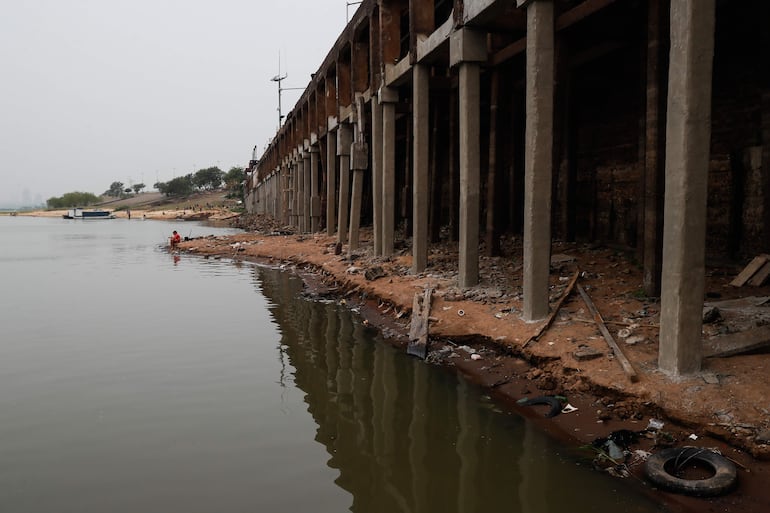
x: 725, y: 406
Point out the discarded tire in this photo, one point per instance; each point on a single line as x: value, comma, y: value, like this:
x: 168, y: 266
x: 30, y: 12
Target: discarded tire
x: 661, y: 468
x: 553, y: 402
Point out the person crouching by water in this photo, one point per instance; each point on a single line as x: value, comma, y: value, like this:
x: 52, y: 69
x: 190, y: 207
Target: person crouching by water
x: 174, y: 240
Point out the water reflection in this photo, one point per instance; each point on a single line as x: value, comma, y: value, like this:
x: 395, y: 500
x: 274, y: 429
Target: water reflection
x: 406, y: 437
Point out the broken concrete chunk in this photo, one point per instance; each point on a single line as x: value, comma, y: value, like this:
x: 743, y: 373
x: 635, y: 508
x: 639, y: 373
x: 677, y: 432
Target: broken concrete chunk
x: 373, y: 273
x: 586, y: 353
x: 711, y: 314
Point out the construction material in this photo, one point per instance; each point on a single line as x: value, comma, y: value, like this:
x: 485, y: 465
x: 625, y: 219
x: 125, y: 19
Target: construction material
x: 418, y: 330
x: 553, y: 313
x: 627, y: 367
x: 760, y: 276
x: 754, y: 267
x: 737, y: 343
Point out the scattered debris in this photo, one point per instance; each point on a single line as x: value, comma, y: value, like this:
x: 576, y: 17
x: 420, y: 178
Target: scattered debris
x: 627, y: 367
x: 373, y: 273
x: 550, y: 318
x: 711, y: 314
x: 737, y: 343
x: 755, y: 273
x: 586, y: 353
x: 553, y: 401
x: 418, y: 331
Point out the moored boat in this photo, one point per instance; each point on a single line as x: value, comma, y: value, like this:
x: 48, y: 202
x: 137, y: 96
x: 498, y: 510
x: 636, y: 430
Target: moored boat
x: 79, y: 213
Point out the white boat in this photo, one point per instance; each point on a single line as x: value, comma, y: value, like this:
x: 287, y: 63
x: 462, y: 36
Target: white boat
x: 79, y: 213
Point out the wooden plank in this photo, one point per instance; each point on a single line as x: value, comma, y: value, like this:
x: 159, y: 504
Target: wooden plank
x: 737, y: 343
x: 627, y: 367
x: 760, y: 276
x: 749, y: 271
x: 418, y: 331
x: 553, y: 313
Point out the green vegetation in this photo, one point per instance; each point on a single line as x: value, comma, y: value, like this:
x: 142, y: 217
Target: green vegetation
x: 73, y: 199
x: 179, y: 186
x: 115, y: 190
x: 234, y: 182
x: 209, y: 178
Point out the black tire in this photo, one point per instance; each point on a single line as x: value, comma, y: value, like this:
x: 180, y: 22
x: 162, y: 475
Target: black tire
x: 723, y: 480
x: 553, y: 402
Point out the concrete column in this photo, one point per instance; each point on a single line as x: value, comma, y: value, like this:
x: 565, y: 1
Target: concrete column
x: 688, y: 137
x: 293, y: 193
x: 652, y: 221
x: 344, y: 139
x: 466, y: 49
x: 377, y: 176
x: 331, y: 182
x: 300, y: 193
x: 388, y: 98
x: 420, y: 147
x: 285, y: 193
x: 306, y: 191
x: 315, y: 199
x: 296, y: 190
x: 538, y: 158
x: 359, y: 156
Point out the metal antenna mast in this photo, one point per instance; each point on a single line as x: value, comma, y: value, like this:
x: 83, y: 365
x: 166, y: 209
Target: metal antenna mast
x: 279, y: 78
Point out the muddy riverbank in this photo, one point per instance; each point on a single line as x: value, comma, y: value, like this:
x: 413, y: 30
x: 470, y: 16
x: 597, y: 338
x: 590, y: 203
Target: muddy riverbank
x: 479, y: 333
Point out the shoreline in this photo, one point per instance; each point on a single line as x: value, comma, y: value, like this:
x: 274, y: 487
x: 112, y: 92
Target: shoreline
x: 487, y: 319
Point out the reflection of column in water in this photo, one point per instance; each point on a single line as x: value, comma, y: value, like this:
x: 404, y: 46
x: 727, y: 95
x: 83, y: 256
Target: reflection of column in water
x: 361, y: 370
x: 389, y: 404
x: 533, y: 491
x: 344, y: 377
x: 378, y: 402
x: 467, y: 494
x: 418, y: 438
x: 332, y: 340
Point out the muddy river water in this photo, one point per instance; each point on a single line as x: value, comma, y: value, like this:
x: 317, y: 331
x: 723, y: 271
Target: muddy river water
x: 134, y: 380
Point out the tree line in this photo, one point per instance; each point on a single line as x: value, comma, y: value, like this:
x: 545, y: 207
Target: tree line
x: 208, y: 179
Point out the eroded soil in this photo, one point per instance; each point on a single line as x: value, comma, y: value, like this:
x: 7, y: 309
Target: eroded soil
x: 480, y: 333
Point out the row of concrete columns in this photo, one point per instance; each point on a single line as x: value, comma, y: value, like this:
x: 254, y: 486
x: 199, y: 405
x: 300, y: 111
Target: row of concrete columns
x: 687, y: 156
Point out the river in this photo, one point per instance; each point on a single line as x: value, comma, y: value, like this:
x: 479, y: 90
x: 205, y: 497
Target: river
x: 134, y: 380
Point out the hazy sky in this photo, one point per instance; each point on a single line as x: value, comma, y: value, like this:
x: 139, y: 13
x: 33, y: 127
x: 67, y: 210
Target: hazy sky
x: 136, y: 91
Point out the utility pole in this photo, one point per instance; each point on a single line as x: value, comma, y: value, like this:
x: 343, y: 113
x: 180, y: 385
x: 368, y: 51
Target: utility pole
x: 347, y: 10
x: 279, y: 78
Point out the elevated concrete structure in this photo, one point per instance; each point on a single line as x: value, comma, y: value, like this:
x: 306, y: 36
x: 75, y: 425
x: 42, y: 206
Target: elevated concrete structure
x: 535, y: 121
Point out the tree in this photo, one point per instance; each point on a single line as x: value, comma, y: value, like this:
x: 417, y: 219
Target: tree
x: 234, y: 182
x: 209, y: 178
x: 73, y: 199
x: 115, y: 190
x: 138, y: 187
x: 179, y: 186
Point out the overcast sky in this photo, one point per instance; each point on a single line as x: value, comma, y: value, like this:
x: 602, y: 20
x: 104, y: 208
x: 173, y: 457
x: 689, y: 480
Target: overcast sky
x: 139, y: 91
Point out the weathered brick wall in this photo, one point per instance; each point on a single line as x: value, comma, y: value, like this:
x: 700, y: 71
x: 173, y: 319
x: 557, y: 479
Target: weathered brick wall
x: 736, y: 200
x: 607, y: 107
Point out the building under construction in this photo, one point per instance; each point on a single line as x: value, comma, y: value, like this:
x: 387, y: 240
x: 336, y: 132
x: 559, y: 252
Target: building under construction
x: 641, y: 124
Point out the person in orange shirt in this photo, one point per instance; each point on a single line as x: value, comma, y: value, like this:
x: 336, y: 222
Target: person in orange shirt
x: 175, y: 239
